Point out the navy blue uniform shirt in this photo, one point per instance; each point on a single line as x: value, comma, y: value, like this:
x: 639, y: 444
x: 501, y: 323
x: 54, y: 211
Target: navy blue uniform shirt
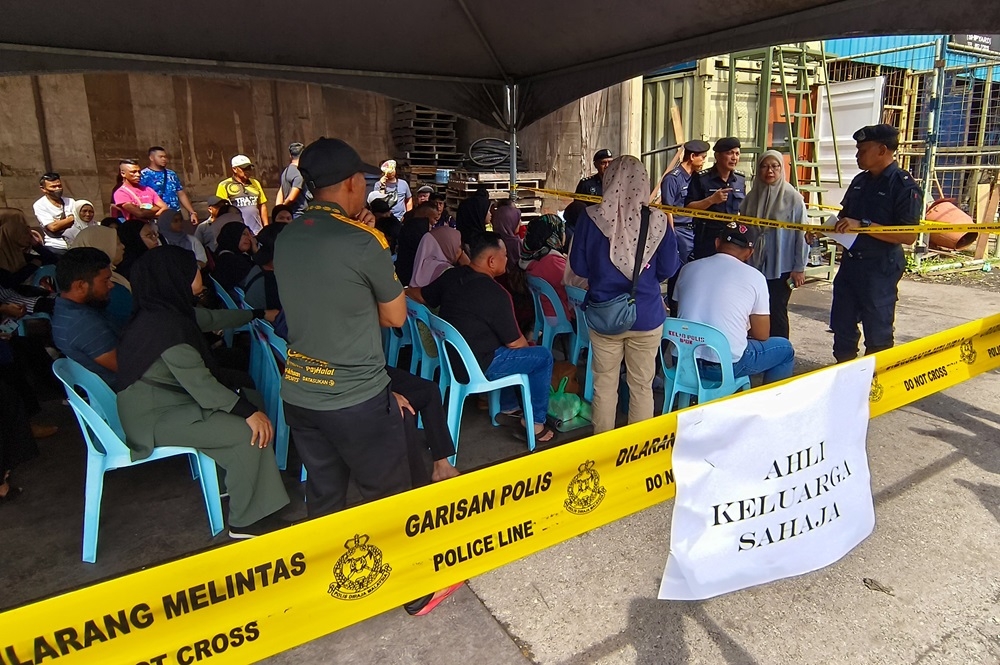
x: 674, y: 190
x: 592, y: 185
x: 891, y: 199
x: 706, y: 182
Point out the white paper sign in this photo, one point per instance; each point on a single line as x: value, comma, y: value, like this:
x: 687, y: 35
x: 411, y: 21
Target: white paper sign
x: 771, y: 484
x: 845, y: 239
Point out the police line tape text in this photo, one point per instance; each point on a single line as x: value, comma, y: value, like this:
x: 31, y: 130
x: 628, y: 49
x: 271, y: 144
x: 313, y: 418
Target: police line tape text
x: 202, y: 649
x: 484, y: 545
x: 636, y: 452
x: 923, y: 379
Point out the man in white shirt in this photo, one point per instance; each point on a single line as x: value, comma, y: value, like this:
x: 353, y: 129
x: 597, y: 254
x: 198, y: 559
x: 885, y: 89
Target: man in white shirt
x: 54, y: 212
x: 726, y: 293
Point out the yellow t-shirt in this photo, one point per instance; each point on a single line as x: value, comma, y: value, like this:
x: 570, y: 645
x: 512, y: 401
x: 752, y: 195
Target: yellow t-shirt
x: 247, y: 198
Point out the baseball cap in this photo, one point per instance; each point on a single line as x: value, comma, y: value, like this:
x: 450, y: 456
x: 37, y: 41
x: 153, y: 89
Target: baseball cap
x: 426, y: 189
x: 326, y: 162
x: 379, y: 205
x: 696, y: 146
x: 885, y: 134
x: 738, y: 234
x: 726, y: 144
x: 241, y: 160
x: 214, y: 200
x: 603, y: 153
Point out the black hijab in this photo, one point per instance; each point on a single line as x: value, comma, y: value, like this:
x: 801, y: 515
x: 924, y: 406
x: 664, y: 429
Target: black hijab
x: 410, y: 235
x: 130, y: 235
x: 231, y: 265
x: 162, y: 313
x: 470, y: 219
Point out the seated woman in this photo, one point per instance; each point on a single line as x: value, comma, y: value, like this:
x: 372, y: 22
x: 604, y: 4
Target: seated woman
x: 542, y: 257
x: 16, y: 238
x: 233, y: 255
x: 438, y: 250
x: 83, y: 217
x: 171, y: 226
x: 260, y: 288
x: 169, y: 392
x: 423, y: 217
x: 138, y: 237
x: 280, y: 214
x: 106, y: 240
x: 420, y: 396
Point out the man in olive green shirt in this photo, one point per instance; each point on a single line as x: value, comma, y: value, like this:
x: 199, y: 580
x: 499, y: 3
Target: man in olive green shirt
x: 338, y: 286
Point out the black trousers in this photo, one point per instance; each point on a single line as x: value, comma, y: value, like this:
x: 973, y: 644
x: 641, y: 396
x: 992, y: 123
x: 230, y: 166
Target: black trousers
x: 779, y: 293
x: 425, y: 398
x: 865, y: 291
x: 367, y: 441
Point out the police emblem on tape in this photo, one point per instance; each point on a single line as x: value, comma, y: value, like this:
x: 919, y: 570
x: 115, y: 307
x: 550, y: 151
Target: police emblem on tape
x: 584, y: 490
x: 875, y: 394
x: 359, y: 571
x: 968, y: 352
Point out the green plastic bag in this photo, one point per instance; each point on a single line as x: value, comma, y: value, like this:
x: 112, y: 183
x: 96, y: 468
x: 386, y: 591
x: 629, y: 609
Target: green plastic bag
x: 564, y: 406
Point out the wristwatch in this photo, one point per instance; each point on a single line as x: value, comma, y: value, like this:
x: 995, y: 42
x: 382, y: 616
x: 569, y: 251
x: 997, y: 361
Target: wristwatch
x: 865, y: 223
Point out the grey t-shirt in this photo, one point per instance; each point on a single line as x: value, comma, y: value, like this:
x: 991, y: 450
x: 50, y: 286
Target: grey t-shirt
x: 291, y: 177
x: 396, y: 194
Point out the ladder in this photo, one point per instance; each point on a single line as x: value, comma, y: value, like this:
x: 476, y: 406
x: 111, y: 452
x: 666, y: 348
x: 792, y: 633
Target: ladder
x: 793, y: 64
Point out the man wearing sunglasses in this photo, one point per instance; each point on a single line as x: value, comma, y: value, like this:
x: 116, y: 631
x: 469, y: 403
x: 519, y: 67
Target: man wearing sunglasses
x: 246, y: 193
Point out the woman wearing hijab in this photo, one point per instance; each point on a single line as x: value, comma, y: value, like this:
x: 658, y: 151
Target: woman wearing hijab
x: 138, y: 237
x: 234, y: 255
x: 542, y: 257
x: 169, y: 390
x: 172, y: 230
x: 507, y: 223
x: 411, y: 234
x: 16, y: 239
x: 470, y: 219
x: 83, y: 217
x: 107, y: 240
x: 604, y: 252
x: 780, y: 254
x: 438, y: 250
x: 260, y: 287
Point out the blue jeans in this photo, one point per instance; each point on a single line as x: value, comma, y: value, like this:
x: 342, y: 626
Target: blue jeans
x: 536, y: 362
x: 773, y: 358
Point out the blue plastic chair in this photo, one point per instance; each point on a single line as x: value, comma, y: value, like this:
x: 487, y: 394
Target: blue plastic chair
x: 41, y: 273
x: 228, y: 301
x: 428, y: 365
x: 549, y: 326
x: 22, y: 323
x: 394, y: 339
x: 581, y: 341
x: 684, y: 379
x: 240, y: 298
x: 269, y: 385
x: 446, y: 336
x: 106, y: 450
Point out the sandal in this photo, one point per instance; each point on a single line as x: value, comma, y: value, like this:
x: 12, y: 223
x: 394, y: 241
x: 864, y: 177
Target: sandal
x: 11, y: 494
x: 547, y: 435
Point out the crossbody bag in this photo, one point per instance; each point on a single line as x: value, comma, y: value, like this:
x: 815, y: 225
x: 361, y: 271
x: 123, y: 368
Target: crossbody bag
x: 615, y: 316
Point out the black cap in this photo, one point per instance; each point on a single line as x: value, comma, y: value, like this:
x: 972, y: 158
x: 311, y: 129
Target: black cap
x: 603, y: 153
x: 326, y: 162
x: 885, y: 134
x: 726, y: 144
x: 214, y: 200
x: 379, y: 205
x: 696, y: 146
x: 738, y: 234
x: 425, y: 189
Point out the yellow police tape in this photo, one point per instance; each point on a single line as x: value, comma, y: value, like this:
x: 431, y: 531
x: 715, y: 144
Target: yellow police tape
x: 926, y: 226
x: 249, y: 600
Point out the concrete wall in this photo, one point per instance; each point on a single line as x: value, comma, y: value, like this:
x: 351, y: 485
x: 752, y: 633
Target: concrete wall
x: 81, y: 125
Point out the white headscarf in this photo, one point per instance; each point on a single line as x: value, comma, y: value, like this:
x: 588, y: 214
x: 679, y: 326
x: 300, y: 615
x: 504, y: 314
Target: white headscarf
x: 78, y: 224
x: 618, y: 216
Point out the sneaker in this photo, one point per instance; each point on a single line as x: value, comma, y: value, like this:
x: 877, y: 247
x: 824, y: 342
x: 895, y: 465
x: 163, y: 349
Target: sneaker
x: 259, y: 528
x: 425, y: 604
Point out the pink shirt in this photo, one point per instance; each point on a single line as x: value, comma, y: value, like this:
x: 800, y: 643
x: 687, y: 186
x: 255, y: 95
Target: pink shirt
x: 551, y: 268
x: 142, y: 196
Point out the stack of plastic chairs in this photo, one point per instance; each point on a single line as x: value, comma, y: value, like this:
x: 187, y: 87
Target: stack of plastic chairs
x: 581, y: 340
x: 267, y: 378
x: 446, y: 337
x: 548, y: 327
x: 97, y: 414
x: 228, y: 301
x: 684, y: 379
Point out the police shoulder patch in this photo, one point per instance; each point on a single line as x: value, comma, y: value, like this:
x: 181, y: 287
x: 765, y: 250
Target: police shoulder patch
x: 704, y: 171
x: 740, y: 173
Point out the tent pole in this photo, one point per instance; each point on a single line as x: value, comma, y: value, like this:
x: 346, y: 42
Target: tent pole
x: 512, y: 126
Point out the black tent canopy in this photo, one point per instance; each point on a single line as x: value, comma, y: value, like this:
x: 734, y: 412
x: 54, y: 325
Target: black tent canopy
x: 506, y: 63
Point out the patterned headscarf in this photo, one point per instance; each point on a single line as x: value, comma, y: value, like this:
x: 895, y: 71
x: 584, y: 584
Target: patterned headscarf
x: 618, y: 216
x: 545, y: 234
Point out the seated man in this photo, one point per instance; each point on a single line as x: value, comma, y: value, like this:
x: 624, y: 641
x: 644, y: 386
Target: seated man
x: 724, y: 292
x: 482, y: 311
x: 81, y: 326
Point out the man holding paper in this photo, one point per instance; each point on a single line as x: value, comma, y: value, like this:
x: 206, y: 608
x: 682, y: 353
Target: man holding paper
x: 866, y: 286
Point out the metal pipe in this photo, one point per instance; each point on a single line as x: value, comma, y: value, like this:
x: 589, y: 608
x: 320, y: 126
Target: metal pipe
x: 934, y: 126
x: 980, y: 139
x: 870, y: 54
x: 512, y: 120
x: 659, y: 150
x: 731, y: 110
x: 951, y: 266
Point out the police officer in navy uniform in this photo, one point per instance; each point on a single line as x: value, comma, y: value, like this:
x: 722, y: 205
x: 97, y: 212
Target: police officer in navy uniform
x: 673, y: 192
x: 594, y: 185
x: 720, y: 188
x: 866, y: 286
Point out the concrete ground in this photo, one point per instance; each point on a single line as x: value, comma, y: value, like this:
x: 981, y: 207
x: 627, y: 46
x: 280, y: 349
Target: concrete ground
x: 593, y: 599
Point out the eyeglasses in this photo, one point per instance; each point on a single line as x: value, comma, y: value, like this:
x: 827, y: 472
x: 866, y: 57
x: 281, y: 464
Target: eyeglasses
x: 770, y: 167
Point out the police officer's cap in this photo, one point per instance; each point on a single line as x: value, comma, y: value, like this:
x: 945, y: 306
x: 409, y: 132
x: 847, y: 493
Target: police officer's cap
x: 737, y: 234
x: 326, y: 162
x: 885, y: 134
x: 726, y: 144
x: 695, y: 147
x: 603, y: 153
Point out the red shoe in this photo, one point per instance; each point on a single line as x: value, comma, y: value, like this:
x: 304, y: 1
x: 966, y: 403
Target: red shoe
x: 424, y: 605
